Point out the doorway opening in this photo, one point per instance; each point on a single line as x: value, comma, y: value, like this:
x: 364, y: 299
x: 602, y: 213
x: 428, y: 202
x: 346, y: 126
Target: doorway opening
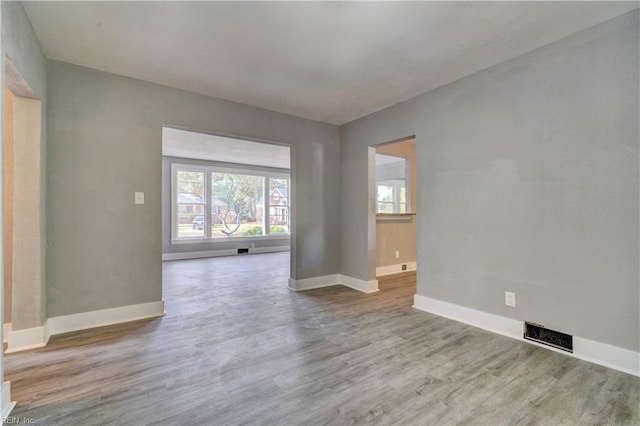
x: 393, y: 194
x: 23, y: 246
x: 225, y: 196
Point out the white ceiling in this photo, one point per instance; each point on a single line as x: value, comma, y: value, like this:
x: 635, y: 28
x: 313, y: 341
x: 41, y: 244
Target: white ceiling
x: 329, y: 61
x: 186, y: 144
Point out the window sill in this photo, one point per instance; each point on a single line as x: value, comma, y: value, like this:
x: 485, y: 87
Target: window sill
x: 405, y: 217
x: 229, y: 239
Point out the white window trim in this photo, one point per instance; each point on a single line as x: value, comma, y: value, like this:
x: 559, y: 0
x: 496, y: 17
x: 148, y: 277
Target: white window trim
x: 207, y: 239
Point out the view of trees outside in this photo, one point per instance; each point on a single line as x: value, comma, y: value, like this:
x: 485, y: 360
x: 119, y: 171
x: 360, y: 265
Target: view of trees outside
x: 235, y: 201
x: 237, y: 204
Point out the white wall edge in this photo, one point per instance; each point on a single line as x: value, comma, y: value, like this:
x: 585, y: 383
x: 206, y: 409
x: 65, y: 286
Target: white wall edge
x: 47, y: 331
x: 6, y: 329
x: 370, y: 286
x: 314, y: 282
x: 101, y: 318
x: 587, y: 350
x: 381, y: 271
x: 217, y: 253
x: 5, y: 400
x: 26, y: 339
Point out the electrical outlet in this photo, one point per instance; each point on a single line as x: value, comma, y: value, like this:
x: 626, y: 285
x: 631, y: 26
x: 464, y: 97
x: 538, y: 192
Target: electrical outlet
x: 397, y: 254
x: 139, y: 198
x: 510, y: 299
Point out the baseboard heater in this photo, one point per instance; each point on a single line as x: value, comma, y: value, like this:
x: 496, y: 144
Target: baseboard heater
x: 556, y: 339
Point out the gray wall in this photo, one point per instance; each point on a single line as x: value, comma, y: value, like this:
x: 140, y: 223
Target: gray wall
x: 21, y: 46
x: 221, y: 244
x: 105, y: 143
x: 527, y: 181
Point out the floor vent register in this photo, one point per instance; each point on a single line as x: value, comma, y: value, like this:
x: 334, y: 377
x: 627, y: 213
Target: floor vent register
x: 556, y: 339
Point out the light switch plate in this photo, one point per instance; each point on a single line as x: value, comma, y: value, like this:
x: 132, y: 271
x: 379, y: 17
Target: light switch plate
x: 139, y: 198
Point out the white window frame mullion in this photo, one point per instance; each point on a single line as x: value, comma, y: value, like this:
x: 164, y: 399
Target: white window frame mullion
x: 396, y: 197
x: 407, y: 186
x: 207, y: 204
x: 174, y: 202
x: 288, y: 209
x: 267, y: 206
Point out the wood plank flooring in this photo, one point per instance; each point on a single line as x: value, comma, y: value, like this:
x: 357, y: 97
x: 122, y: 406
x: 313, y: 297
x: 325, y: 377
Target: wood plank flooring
x: 237, y: 347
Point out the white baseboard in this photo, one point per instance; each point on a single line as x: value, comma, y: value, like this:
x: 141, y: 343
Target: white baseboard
x: 217, y: 253
x: 370, y: 286
x: 606, y: 355
x: 395, y: 269
x: 26, y: 339
x: 588, y: 350
x: 331, y: 280
x: 5, y: 401
x: 37, y: 337
x: 495, y: 323
x: 103, y: 317
x: 315, y: 282
x: 6, y: 329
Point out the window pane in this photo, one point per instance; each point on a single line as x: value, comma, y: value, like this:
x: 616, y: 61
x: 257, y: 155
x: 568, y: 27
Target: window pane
x: 278, y: 206
x: 391, y: 181
x: 190, y: 220
x: 190, y: 187
x: 236, y: 205
x: 385, y: 199
x: 191, y: 207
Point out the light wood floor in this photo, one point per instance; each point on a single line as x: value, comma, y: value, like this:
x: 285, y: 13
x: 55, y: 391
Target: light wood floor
x: 237, y: 347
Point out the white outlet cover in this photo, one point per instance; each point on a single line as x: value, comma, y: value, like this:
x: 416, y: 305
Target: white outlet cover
x: 139, y: 197
x: 510, y: 299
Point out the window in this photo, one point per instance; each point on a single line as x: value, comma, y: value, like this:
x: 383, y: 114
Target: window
x: 191, y: 204
x: 391, y: 196
x: 212, y: 203
x: 278, y: 206
x: 391, y: 184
